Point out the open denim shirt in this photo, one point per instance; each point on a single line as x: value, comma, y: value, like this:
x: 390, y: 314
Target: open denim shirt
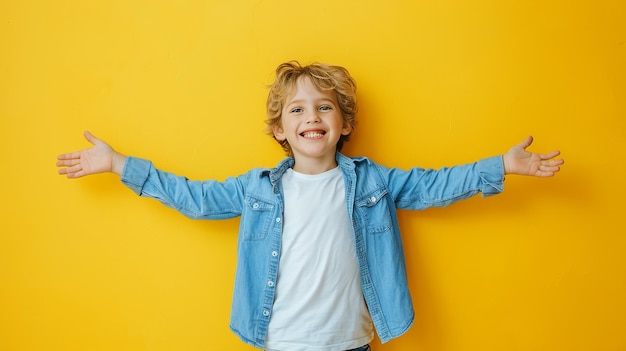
x: 373, y: 193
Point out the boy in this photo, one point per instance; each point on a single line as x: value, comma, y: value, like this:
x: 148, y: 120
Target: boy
x: 320, y: 258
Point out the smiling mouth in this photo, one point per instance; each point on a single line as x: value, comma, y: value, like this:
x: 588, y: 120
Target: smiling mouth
x: 313, y: 134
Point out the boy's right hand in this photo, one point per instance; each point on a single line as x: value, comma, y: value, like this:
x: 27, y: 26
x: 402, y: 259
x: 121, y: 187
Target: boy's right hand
x: 98, y: 159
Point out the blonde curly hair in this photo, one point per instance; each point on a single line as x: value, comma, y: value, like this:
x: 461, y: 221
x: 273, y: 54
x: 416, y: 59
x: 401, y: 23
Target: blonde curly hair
x: 324, y: 77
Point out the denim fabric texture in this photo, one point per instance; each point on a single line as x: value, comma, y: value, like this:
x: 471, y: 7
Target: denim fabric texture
x: 373, y: 193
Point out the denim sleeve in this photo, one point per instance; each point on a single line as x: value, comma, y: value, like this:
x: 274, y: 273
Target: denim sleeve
x: 420, y: 188
x: 195, y: 199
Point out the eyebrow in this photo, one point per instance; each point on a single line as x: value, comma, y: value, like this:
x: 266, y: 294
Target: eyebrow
x: 300, y: 101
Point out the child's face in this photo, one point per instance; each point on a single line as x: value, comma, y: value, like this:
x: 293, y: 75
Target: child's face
x: 312, y: 123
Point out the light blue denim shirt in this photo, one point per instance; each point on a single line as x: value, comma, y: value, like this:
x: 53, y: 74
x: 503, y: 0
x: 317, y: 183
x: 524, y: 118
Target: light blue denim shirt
x: 373, y: 193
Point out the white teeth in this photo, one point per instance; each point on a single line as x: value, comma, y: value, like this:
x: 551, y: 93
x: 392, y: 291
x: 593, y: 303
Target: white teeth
x: 312, y: 134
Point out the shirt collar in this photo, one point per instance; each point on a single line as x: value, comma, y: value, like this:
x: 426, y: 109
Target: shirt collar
x: 345, y: 163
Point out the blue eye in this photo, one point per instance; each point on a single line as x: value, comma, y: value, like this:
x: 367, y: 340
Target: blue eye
x: 296, y: 110
x: 325, y: 108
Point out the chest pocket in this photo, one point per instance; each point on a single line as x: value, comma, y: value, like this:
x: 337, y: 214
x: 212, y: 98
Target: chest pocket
x: 256, y: 218
x: 375, y: 207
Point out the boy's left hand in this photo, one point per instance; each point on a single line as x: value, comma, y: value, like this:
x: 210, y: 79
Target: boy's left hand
x: 519, y: 161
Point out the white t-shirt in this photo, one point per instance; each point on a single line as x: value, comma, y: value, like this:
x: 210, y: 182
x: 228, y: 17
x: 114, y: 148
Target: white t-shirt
x: 319, y: 304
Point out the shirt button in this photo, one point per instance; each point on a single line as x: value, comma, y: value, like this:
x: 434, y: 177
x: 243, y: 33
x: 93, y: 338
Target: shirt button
x: 277, y: 219
x: 270, y: 283
x: 266, y: 313
x: 255, y: 206
x: 274, y: 253
x: 373, y: 199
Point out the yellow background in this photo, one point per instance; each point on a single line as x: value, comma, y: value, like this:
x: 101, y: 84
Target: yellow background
x: 86, y: 265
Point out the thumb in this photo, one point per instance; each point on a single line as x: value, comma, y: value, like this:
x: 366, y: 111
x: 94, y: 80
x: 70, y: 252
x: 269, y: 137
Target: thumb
x: 90, y: 137
x: 526, y: 143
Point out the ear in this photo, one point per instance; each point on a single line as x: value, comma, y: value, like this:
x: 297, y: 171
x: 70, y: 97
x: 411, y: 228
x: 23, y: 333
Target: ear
x: 346, y: 130
x: 279, y: 133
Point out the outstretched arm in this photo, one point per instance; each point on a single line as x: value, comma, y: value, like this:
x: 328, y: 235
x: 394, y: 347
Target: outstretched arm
x: 519, y: 161
x: 98, y: 159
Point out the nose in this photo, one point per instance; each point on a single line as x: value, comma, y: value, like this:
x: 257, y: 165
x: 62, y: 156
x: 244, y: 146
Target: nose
x: 313, y: 117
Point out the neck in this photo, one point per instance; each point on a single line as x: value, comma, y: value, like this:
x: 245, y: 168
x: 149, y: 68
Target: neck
x: 314, y: 165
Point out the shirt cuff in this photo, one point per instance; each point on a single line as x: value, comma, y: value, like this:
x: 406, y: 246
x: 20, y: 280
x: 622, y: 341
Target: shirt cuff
x: 492, y: 172
x: 135, y: 173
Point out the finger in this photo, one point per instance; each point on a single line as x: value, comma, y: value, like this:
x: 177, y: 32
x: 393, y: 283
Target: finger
x: 544, y: 174
x: 552, y: 162
x: 64, y: 170
x: 550, y: 168
x: 550, y: 155
x: 73, y: 172
x: 70, y: 169
x: 72, y: 175
x: 547, y: 171
x: 69, y: 156
x: 68, y: 163
x: 75, y: 175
